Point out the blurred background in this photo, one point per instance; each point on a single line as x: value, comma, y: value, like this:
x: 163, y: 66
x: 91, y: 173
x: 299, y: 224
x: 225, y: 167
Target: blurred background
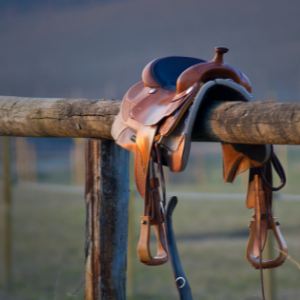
x: 98, y: 48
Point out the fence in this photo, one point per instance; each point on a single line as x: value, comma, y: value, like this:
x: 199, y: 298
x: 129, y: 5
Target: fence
x: 107, y: 165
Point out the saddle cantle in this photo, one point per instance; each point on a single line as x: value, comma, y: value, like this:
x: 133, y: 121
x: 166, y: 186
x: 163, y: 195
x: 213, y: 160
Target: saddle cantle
x: 156, y: 122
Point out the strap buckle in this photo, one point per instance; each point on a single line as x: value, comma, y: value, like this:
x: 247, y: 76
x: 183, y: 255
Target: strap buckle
x: 266, y: 264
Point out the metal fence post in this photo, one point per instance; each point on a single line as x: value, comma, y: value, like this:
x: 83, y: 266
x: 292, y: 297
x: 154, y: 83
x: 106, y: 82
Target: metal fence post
x: 107, y: 200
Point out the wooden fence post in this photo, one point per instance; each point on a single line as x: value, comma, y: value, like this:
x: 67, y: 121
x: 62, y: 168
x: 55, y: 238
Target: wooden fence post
x: 107, y: 199
x: 131, y: 233
x: 6, y: 214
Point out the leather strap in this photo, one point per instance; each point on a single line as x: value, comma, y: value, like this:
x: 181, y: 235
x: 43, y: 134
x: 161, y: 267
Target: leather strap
x: 144, y: 143
x: 181, y: 281
x: 153, y: 216
x: 279, y: 170
x: 260, y: 226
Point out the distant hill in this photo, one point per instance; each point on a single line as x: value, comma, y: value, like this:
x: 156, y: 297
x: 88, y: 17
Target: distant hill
x: 99, y: 50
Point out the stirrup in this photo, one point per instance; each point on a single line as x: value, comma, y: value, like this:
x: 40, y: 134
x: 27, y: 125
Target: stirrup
x: 143, y: 249
x: 267, y: 264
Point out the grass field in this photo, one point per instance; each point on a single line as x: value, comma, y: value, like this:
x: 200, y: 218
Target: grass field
x: 48, y: 249
x: 49, y: 226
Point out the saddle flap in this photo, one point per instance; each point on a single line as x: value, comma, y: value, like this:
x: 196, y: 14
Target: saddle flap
x: 237, y: 158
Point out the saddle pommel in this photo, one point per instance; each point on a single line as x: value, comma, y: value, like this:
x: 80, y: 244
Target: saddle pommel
x: 211, y: 70
x: 219, y: 54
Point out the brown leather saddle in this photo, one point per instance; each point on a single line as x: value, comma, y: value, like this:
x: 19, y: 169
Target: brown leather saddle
x: 156, y: 122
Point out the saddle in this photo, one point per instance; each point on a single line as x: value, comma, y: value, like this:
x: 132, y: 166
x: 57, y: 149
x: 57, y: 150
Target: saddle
x: 156, y: 122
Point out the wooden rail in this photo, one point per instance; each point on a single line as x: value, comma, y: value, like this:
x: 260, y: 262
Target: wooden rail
x: 56, y: 117
x: 233, y: 122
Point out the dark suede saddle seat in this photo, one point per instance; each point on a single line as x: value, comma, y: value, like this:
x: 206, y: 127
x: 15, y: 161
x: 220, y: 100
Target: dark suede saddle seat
x: 165, y: 71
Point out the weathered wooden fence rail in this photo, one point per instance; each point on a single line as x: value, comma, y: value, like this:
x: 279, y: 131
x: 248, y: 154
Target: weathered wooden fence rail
x: 107, y: 164
x: 234, y: 122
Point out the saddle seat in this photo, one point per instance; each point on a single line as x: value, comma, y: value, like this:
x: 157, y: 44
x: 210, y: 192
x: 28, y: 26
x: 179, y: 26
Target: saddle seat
x: 165, y: 71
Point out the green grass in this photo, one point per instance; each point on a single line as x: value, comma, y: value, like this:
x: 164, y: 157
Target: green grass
x: 48, y: 249
x: 48, y: 242
x: 214, y: 262
x: 48, y: 245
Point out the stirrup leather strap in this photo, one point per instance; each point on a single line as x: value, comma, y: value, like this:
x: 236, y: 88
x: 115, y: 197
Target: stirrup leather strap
x: 153, y: 216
